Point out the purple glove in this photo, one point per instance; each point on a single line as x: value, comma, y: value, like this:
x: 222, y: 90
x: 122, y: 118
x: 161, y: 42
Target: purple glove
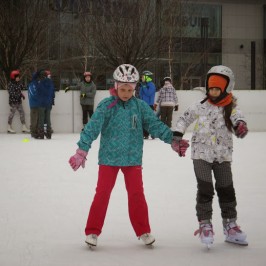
x: 180, y: 146
x: 241, y: 129
x: 78, y: 159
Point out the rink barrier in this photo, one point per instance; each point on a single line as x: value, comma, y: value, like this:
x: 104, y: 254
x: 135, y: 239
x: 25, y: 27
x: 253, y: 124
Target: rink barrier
x: 66, y: 113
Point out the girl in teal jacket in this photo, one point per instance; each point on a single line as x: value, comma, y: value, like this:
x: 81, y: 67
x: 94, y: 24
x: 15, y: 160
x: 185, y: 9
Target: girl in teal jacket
x: 121, y: 127
x: 120, y: 119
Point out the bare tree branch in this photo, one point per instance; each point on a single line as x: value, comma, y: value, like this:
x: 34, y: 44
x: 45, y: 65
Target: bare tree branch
x: 21, y: 24
x: 127, y: 33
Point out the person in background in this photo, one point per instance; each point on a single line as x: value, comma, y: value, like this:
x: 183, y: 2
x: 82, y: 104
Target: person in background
x: 34, y: 104
x: 15, y: 88
x: 45, y: 95
x: 217, y: 119
x: 87, y: 90
x: 120, y: 119
x: 167, y: 101
x: 48, y: 109
x: 147, y: 92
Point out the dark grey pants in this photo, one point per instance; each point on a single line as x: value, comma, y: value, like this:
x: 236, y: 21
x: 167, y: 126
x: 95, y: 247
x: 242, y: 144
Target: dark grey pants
x: 44, y: 115
x: 223, y: 186
x: 86, y: 110
x: 167, y: 115
x: 34, y: 115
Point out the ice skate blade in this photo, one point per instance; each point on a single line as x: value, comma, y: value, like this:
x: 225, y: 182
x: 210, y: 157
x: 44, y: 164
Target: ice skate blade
x: 239, y: 243
x: 150, y: 245
x: 207, y: 243
x: 91, y: 246
x: 209, y: 246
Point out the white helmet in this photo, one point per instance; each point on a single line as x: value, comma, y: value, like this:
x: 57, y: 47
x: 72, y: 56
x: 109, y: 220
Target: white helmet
x: 167, y: 79
x: 126, y: 73
x: 224, y: 71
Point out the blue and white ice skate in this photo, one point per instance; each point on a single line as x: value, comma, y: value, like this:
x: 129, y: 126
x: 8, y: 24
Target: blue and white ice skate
x: 234, y: 235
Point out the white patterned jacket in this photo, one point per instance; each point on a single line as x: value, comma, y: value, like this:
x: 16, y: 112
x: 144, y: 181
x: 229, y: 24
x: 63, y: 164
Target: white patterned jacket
x: 211, y: 140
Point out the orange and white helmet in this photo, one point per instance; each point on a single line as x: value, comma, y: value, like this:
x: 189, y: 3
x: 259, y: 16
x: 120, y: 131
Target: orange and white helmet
x: 126, y: 73
x: 225, y: 72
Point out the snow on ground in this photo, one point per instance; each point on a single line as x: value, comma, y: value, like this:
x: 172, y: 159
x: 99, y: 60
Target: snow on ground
x: 44, y: 207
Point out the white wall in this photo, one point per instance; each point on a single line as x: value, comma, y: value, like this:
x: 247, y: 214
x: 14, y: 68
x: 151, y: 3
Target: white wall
x: 66, y: 114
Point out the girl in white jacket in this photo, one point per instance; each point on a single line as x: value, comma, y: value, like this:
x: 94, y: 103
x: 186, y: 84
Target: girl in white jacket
x: 217, y: 119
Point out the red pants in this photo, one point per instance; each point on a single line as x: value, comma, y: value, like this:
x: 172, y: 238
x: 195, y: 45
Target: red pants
x: 137, y: 206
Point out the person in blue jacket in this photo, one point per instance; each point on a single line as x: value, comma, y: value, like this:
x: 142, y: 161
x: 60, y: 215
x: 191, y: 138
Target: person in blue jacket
x: 120, y: 119
x: 147, y: 92
x: 41, y: 97
x: 34, y: 104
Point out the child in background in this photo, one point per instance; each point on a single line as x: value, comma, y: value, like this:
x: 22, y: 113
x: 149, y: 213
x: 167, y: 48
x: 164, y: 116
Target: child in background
x: 15, y: 88
x: 167, y: 101
x: 87, y: 90
x: 217, y: 119
x: 121, y: 119
x: 147, y: 91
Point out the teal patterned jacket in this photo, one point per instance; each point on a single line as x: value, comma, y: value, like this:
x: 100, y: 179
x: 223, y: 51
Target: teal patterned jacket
x: 121, y: 126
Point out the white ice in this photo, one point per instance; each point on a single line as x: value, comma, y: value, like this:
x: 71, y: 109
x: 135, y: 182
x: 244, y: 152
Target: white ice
x: 44, y: 206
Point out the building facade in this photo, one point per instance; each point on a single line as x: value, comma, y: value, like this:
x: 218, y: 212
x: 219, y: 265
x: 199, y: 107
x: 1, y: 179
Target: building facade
x: 196, y: 35
x: 223, y: 32
x: 213, y: 32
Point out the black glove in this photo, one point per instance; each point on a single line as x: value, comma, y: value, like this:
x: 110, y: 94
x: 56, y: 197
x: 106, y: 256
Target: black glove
x: 176, y: 108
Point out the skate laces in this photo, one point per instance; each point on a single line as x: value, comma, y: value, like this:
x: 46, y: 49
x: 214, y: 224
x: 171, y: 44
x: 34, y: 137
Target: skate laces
x: 232, y: 228
x: 205, y: 230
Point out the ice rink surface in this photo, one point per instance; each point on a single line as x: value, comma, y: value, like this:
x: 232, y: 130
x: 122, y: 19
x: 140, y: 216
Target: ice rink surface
x: 44, y: 206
